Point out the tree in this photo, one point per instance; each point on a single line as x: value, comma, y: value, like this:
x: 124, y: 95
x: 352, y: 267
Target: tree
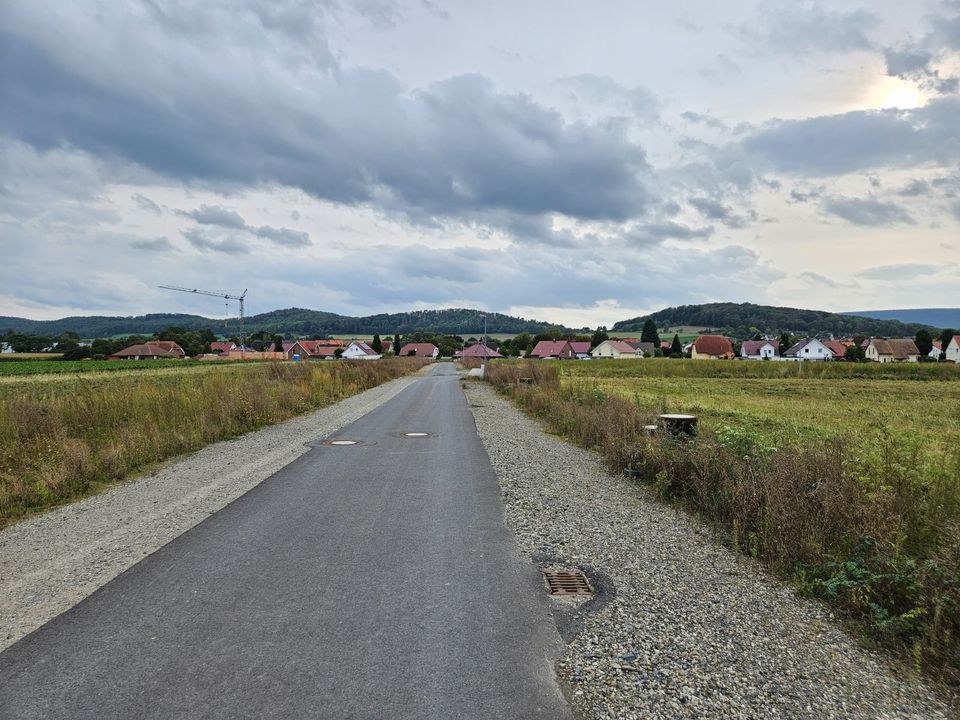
x: 854, y: 353
x: 924, y: 341
x: 278, y: 343
x: 599, y: 336
x: 676, y: 347
x: 945, y: 337
x: 396, y: 344
x: 377, y: 344
x: 649, y: 333
x: 786, y: 342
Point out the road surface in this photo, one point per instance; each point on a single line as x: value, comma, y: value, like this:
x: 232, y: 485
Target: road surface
x: 376, y: 580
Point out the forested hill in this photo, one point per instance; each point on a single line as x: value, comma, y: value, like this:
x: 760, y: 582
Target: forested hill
x: 296, y: 321
x: 744, y: 319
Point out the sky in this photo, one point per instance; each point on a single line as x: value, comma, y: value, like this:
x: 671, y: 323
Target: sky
x: 574, y: 162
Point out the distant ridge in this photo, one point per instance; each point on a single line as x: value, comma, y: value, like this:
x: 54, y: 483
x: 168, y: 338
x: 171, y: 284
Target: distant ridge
x: 297, y: 321
x: 937, y: 317
x: 745, y: 319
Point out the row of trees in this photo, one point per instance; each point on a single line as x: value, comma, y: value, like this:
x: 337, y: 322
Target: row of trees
x: 193, y: 342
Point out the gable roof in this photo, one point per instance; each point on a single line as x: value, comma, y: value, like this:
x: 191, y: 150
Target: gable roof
x: 713, y: 345
x: 150, y: 349
x: 478, y: 350
x: 580, y: 347
x: 647, y: 348
x: 220, y: 346
x: 418, y: 349
x: 548, y: 348
x: 898, y: 349
x: 837, y: 347
x: 752, y: 347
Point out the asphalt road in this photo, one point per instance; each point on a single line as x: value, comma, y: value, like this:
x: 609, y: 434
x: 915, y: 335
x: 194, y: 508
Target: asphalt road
x: 367, y: 581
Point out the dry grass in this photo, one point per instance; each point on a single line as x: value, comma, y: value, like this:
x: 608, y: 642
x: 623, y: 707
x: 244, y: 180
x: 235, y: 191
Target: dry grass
x: 61, y: 441
x: 867, y: 519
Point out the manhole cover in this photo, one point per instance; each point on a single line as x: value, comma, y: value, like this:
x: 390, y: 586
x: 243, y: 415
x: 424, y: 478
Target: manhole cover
x: 341, y: 443
x: 567, y: 582
x: 416, y: 434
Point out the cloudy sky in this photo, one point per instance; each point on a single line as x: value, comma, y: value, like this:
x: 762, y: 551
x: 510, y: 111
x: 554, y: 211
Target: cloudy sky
x: 569, y: 161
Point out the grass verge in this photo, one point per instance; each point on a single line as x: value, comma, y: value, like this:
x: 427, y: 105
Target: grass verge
x: 860, y: 520
x: 60, y: 442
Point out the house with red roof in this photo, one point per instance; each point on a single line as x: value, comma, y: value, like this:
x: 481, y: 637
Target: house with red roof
x: 360, y: 351
x: 477, y: 350
x: 425, y: 350
x: 760, y: 350
x: 618, y: 349
x: 711, y: 347
x: 152, y: 350
x: 221, y: 347
x: 581, y: 349
x: 551, y: 350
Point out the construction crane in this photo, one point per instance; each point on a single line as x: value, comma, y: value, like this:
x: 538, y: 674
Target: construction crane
x: 227, y: 296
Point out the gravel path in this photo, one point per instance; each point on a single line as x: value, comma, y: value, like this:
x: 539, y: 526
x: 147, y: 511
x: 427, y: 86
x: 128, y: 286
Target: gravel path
x: 50, y: 562
x: 683, y: 628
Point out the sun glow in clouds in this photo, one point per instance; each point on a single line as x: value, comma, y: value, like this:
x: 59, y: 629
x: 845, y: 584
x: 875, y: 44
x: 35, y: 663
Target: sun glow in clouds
x: 904, y: 97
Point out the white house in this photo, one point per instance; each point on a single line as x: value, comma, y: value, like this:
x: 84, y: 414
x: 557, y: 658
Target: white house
x: 885, y: 351
x: 760, y: 350
x: 936, y: 350
x: 360, y: 351
x: 952, y: 353
x: 808, y: 349
x: 614, y: 349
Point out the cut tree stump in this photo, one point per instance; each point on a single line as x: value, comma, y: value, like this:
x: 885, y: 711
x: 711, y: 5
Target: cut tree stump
x: 679, y: 426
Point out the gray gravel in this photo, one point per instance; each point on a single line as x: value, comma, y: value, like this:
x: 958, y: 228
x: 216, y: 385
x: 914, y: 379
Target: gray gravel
x: 685, y: 628
x: 50, y: 562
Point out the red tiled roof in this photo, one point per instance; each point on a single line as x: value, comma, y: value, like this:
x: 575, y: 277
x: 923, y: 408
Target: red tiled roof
x: 752, y: 347
x: 418, y: 349
x: 580, y: 347
x: 838, y: 348
x: 716, y: 345
x: 478, y: 350
x: 149, y: 350
x: 548, y: 348
x: 218, y: 346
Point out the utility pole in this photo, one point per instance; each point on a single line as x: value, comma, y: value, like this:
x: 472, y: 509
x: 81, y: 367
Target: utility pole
x: 241, y: 297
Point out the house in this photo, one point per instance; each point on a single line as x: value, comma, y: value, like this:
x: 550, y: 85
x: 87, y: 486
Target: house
x: 581, y: 349
x: 885, y: 351
x: 760, y: 350
x: 552, y: 349
x: 154, y: 350
x: 477, y: 350
x: 808, y: 349
x: 837, y: 347
x: 952, y: 353
x: 427, y: 350
x: 644, y: 349
x: 360, y: 351
x: 223, y: 347
x: 711, y: 347
x: 936, y: 350
x: 618, y: 349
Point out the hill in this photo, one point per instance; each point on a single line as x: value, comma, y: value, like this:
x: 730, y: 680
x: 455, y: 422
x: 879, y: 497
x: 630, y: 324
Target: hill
x: 936, y: 317
x: 745, y: 319
x: 297, y: 321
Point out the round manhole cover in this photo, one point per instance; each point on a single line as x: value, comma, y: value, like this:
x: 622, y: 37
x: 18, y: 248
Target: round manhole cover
x: 342, y: 443
x: 416, y: 434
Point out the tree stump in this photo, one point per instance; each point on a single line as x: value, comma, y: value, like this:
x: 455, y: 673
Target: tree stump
x: 678, y: 426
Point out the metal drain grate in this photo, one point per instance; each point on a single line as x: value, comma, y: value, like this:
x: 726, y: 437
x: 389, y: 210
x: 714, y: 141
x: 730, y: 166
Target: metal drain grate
x: 567, y: 582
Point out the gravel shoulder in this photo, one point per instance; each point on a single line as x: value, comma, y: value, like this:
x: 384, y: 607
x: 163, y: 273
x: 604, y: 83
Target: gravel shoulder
x: 686, y: 628
x: 50, y: 562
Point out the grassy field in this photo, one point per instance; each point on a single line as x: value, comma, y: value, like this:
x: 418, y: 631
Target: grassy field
x: 65, y: 436
x: 843, y: 478
x: 792, y: 403
x: 42, y: 366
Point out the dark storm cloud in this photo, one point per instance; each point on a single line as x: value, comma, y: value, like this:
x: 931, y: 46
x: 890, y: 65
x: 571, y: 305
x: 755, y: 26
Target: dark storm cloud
x: 867, y: 212
x: 859, y: 141
x: 355, y: 136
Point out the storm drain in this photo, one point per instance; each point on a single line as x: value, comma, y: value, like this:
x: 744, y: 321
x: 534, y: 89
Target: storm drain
x: 567, y: 582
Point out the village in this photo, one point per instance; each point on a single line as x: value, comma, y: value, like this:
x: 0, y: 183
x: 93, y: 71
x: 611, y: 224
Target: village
x: 703, y: 347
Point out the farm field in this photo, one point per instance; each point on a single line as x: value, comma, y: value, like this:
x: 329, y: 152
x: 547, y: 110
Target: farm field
x: 843, y: 478
x: 10, y: 368
x: 65, y: 436
x: 790, y: 403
